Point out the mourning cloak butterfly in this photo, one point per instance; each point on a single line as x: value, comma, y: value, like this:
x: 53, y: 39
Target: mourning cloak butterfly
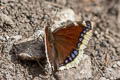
x: 65, y: 45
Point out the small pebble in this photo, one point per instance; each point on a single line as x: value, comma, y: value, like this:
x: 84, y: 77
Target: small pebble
x: 114, y: 66
x: 118, y: 63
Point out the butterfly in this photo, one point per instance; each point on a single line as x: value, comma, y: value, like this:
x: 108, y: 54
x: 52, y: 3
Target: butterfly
x: 65, y: 45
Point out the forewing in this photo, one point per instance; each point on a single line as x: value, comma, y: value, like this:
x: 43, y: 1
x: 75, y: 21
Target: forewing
x: 66, y: 39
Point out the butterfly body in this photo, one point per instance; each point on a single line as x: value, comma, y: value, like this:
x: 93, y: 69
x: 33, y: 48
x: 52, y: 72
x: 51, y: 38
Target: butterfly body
x: 65, y: 45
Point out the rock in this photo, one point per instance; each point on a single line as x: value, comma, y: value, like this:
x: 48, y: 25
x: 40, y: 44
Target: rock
x: 30, y: 49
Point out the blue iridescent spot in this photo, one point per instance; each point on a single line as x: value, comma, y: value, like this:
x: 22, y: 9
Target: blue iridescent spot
x: 66, y: 61
x: 73, y: 55
x: 87, y: 29
x: 88, y: 24
x: 81, y: 34
x: 78, y: 44
x: 75, y: 52
x: 84, y: 31
x: 80, y: 39
x: 70, y: 58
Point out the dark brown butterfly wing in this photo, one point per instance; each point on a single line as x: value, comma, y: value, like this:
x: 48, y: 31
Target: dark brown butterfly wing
x: 50, y: 48
x: 65, y: 40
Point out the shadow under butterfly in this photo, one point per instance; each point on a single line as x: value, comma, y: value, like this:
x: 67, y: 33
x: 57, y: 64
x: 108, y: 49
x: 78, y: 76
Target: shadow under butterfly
x: 65, y: 45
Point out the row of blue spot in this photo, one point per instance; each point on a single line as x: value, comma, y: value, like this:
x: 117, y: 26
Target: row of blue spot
x: 75, y: 52
x: 73, y: 55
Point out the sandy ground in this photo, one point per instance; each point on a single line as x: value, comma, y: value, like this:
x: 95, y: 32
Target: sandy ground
x: 24, y: 17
